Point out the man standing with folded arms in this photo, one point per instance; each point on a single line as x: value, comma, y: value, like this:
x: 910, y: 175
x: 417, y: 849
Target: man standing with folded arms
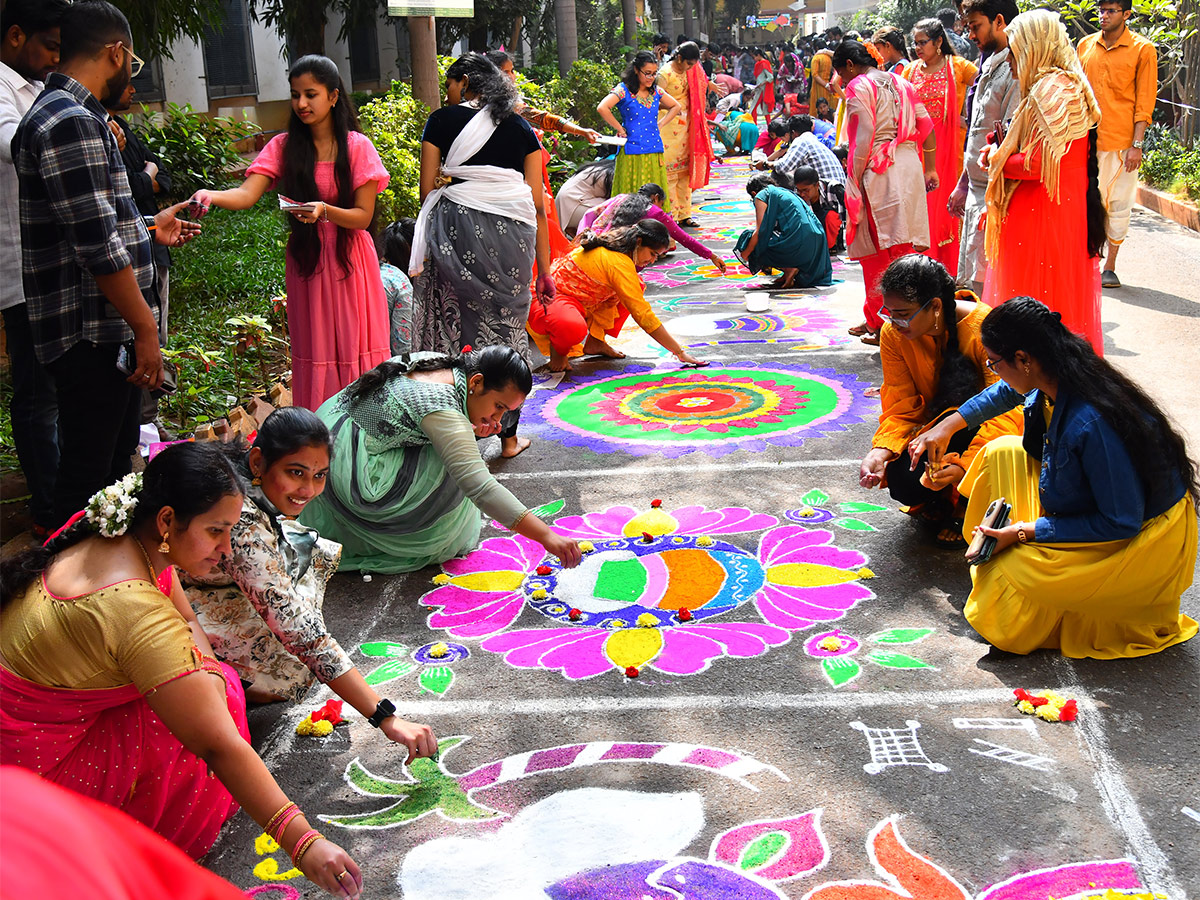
x: 86, y: 253
x: 1122, y: 68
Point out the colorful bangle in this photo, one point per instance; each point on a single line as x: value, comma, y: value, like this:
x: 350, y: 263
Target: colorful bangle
x: 279, y: 830
x: 279, y: 814
x: 307, y: 839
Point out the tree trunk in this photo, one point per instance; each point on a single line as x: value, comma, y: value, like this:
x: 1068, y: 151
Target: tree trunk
x: 689, y: 20
x: 567, y: 34
x: 667, y: 20
x: 514, y: 43
x: 629, y: 20
x: 423, y: 45
x: 1188, y: 81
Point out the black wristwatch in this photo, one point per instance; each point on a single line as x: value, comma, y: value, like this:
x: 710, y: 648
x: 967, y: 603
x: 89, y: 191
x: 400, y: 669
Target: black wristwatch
x: 382, y: 711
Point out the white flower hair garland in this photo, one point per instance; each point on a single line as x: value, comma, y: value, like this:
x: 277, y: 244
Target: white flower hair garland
x: 110, y: 511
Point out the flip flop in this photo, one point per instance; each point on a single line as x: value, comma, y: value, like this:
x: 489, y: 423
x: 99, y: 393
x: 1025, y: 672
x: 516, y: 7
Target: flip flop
x: 859, y: 330
x: 871, y: 340
x: 689, y: 222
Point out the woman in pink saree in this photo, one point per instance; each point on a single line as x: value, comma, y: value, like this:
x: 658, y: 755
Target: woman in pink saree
x: 885, y: 192
x: 109, y: 686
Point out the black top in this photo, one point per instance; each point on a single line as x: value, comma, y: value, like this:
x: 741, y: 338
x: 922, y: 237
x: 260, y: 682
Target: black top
x: 507, y: 148
x: 136, y: 154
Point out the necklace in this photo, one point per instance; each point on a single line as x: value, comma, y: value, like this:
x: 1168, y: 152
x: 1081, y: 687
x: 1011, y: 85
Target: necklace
x: 146, y: 557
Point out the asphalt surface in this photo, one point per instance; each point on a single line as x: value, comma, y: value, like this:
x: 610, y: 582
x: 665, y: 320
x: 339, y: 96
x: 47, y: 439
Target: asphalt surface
x: 656, y: 775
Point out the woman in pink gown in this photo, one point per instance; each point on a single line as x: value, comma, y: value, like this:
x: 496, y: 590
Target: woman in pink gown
x: 1045, y: 216
x: 337, y: 312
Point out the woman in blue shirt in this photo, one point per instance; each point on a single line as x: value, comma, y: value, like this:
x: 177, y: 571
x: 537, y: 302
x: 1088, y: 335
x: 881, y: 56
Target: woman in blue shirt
x: 637, y: 99
x: 1102, y: 540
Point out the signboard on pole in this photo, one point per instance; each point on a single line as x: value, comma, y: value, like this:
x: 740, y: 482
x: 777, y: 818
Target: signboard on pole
x: 443, y: 9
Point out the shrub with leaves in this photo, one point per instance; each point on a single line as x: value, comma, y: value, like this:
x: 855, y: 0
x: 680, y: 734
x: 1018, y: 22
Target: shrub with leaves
x: 198, y: 150
x: 394, y: 122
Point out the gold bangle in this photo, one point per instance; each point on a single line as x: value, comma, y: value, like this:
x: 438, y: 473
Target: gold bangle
x: 274, y: 820
x: 300, y: 851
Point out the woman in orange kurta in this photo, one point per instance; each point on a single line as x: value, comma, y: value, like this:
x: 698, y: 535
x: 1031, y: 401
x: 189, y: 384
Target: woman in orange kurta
x: 942, y: 79
x: 928, y: 370
x: 597, y: 288
x: 1045, y: 217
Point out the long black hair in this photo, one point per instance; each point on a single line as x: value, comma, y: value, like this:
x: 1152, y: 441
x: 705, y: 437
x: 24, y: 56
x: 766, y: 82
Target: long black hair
x: 936, y: 31
x: 490, y: 86
x: 1157, y: 449
x: 642, y: 58
x: 648, y: 232
x: 289, y: 429
x: 394, y: 243
x: 853, y: 52
x: 609, y: 168
x: 299, y: 178
x: 190, y: 478
x: 918, y: 279
x: 1097, y: 214
x: 500, y: 366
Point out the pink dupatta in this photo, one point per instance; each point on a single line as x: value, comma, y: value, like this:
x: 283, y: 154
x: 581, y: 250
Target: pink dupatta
x: 699, y: 138
x: 882, y: 156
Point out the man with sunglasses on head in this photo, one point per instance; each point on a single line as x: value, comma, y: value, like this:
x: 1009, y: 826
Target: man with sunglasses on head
x: 1122, y: 68
x: 87, y: 261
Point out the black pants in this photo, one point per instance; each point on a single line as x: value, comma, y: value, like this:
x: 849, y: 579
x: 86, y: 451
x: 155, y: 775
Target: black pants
x: 98, y: 417
x: 34, y: 412
x: 905, y: 486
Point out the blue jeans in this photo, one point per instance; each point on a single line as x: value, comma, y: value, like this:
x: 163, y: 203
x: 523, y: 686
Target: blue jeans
x: 34, y: 411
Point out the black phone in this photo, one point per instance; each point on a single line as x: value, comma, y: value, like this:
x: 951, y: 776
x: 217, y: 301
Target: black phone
x: 982, y: 545
x: 127, y: 365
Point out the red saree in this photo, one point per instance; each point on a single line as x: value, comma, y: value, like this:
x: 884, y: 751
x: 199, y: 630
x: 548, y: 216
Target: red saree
x: 699, y: 138
x: 109, y: 745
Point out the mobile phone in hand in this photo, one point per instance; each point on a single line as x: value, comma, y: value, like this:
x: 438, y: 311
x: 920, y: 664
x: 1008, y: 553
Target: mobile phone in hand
x: 982, y: 545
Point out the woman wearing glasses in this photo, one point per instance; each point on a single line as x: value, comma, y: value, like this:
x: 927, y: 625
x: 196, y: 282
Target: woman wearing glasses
x: 1101, y: 543
x: 942, y: 79
x: 932, y: 361
x: 598, y: 289
x: 638, y: 100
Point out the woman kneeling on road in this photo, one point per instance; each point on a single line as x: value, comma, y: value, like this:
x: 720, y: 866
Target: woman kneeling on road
x: 1102, y: 540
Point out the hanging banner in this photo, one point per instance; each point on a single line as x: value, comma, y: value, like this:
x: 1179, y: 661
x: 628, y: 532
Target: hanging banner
x: 783, y: 20
x: 443, y: 9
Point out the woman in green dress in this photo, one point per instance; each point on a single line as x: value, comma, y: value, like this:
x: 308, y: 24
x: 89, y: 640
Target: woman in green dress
x: 406, y: 481
x: 787, y: 236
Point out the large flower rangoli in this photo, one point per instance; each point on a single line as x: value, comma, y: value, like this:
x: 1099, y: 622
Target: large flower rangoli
x: 716, y: 410
x: 655, y: 590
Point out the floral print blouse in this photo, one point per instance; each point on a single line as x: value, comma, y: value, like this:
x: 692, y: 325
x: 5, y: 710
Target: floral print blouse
x: 261, y: 607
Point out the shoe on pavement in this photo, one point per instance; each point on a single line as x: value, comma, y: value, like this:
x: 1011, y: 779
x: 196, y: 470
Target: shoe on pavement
x: 1109, y: 279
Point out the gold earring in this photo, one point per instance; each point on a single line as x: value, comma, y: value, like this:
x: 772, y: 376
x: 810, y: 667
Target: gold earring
x: 1026, y: 368
x: 164, y: 547
x: 256, y: 480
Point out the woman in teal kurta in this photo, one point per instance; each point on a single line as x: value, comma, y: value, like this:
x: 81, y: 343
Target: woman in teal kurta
x: 406, y: 482
x: 788, y: 236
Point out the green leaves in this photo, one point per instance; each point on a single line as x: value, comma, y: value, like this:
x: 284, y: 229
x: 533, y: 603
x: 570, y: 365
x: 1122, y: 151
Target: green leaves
x: 900, y: 635
x: 897, y: 661
x: 815, y: 497
x: 437, y: 679
x: 548, y: 509
x: 857, y: 506
x: 840, y: 670
x: 390, y: 671
x: 762, y: 850
x: 382, y: 648
x: 852, y: 524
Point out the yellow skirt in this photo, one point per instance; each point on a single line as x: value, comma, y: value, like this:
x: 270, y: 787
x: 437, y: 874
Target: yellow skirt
x: 1103, y: 600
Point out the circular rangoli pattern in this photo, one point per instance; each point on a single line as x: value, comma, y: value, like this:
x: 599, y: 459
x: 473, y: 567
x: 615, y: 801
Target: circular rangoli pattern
x: 673, y: 412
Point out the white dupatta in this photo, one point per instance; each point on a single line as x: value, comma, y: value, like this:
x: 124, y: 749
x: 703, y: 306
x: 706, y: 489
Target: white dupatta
x: 489, y: 189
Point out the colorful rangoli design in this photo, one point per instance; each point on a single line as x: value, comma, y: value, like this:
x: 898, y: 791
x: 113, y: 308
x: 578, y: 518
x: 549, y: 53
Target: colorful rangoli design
x: 679, y: 272
x: 717, y: 410
x: 656, y: 590
x: 836, y: 650
x: 743, y: 208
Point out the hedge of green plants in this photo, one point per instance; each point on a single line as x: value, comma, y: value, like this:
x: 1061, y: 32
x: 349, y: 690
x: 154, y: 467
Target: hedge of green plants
x: 1169, y: 165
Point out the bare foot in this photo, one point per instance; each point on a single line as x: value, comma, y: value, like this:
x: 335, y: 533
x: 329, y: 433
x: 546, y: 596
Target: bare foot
x: 511, y: 446
x: 558, y: 363
x: 593, y: 347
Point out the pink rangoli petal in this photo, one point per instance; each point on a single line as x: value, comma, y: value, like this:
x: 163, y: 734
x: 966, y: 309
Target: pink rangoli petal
x: 731, y: 520
x: 787, y: 539
x: 834, y: 597
x: 742, y: 639
x: 479, y: 622
x: 770, y: 610
x: 493, y: 554
x: 824, y: 555
x: 610, y: 523
x: 685, y: 653
x: 454, y: 599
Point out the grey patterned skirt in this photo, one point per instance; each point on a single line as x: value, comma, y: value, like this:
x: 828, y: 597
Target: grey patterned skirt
x: 476, y: 285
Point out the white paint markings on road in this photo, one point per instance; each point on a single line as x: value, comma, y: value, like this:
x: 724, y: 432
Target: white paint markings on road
x: 1024, y: 723
x: 1190, y: 813
x: 1003, y: 754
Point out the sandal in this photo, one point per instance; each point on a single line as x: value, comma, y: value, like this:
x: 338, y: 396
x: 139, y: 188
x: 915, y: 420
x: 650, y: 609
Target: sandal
x: 689, y: 222
x: 859, y: 330
x: 871, y: 339
x: 949, y: 536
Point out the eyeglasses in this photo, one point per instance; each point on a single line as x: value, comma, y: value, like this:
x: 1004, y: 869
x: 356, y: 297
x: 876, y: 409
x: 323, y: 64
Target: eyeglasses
x: 138, y: 64
x: 921, y: 43
x: 650, y: 75
x: 898, y: 322
x: 1109, y: 11
x: 991, y: 365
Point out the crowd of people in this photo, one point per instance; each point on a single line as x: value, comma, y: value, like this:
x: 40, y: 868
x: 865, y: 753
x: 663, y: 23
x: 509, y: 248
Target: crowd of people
x: 160, y: 603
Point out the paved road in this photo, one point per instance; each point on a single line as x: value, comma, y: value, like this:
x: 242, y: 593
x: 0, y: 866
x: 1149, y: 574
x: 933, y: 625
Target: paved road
x: 750, y: 757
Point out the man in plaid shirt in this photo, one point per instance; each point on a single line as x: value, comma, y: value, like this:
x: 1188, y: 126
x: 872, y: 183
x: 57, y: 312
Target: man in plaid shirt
x: 87, y: 265
x: 806, y: 149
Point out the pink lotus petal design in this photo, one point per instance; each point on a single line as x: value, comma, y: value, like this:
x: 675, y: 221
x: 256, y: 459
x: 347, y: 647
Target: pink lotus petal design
x: 797, y: 578
x: 775, y: 849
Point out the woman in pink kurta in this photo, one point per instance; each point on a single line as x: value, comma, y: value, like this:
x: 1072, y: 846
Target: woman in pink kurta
x: 337, y: 312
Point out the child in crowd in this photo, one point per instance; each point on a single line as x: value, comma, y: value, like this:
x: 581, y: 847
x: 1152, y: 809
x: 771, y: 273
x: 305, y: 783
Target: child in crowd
x: 394, y: 244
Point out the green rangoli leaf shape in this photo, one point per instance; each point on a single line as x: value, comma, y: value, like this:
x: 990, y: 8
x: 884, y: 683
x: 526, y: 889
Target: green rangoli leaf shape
x: 857, y: 506
x: 840, y: 670
x: 900, y: 635
x: 815, y: 497
x: 762, y: 850
x: 437, y: 680
x: 852, y: 524
x: 897, y: 661
x: 382, y: 648
x: 390, y: 671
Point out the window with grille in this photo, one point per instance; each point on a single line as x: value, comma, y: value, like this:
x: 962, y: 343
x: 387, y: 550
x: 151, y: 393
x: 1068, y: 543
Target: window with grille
x: 364, y: 51
x: 229, y: 54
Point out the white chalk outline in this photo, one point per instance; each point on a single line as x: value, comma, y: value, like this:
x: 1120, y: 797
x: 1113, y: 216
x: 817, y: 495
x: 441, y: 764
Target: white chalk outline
x: 1012, y: 756
x: 895, y: 747
x: 1190, y: 813
x: 1023, y: 723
